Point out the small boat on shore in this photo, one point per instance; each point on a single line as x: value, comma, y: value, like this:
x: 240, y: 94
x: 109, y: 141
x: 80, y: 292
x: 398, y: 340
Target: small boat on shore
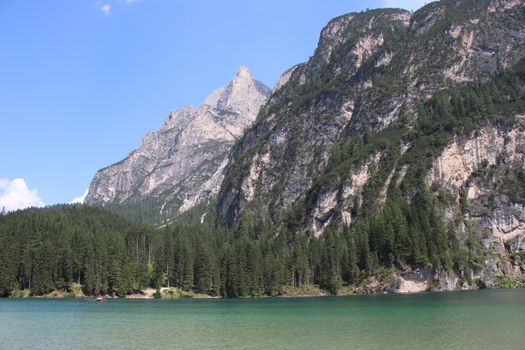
x: 101, y: 299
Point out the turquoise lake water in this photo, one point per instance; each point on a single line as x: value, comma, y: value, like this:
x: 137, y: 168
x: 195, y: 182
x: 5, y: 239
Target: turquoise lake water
x: 488, y: 319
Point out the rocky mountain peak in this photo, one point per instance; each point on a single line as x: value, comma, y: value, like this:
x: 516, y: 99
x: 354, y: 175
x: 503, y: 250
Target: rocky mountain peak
x: 358, y: 29
x: 241, y: 95
x: 244, y: 73
x: 181, y: 164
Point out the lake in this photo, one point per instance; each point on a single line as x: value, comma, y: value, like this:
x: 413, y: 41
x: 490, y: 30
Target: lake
x: 486, y: 319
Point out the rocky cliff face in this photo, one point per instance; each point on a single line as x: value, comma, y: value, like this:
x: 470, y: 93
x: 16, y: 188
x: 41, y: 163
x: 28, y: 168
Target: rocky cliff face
x: 376, y: 111
x: 369, y: 70
x: 285, y: 151
x: 479, y: 180
x: 181, y: 164
x: 485, y: 172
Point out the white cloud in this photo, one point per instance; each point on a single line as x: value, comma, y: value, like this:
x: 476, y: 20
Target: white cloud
x: 80, y: 200
x: 406, y: 4
x: 14, y: 195
x: 105, y: 8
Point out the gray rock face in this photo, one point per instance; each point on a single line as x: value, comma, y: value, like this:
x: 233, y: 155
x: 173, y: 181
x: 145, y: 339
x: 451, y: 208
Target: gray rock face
x: 481, y: 166
x: 181, y: 164
x: 290, y: 145
x: 369, y: 71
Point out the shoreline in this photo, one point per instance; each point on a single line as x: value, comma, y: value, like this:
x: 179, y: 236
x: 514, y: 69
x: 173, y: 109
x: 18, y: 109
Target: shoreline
x: 419, y: 281
x: 147, y: 295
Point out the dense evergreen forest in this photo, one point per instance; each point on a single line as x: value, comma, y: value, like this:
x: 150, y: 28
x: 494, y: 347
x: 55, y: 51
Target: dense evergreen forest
x: 48, y: 249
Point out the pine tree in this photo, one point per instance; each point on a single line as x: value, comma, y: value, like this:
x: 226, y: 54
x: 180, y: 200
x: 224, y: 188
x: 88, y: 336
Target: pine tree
x: 352, y: 269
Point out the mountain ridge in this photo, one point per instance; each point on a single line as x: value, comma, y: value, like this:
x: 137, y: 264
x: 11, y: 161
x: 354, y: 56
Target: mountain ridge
x: 380, y: 112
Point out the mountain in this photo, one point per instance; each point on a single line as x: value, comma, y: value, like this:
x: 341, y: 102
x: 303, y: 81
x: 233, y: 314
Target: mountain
x: 181, y: 164
x: 407, y: 127
x: 392, y: 160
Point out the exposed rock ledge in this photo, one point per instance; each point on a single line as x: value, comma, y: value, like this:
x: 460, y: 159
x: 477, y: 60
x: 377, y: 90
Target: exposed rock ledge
x: 416, y: 281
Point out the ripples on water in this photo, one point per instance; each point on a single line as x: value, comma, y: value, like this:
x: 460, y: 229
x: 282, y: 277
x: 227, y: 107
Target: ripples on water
x: 491, y: 319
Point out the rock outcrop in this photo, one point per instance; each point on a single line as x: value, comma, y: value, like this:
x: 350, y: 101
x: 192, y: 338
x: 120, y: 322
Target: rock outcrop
x: 181, y: 164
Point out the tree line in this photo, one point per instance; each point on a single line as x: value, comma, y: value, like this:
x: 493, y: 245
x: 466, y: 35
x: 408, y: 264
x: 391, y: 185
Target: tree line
x: 48, y: 249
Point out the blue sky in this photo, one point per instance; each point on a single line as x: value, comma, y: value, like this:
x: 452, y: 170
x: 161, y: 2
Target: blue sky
x: 82, y: 81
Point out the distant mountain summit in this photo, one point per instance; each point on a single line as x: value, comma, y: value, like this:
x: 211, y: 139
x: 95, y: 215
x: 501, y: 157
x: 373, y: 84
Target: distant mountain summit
x: 181, y: 164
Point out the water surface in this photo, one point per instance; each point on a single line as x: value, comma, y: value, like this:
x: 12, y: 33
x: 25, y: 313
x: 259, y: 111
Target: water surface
x: 490, y: 319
